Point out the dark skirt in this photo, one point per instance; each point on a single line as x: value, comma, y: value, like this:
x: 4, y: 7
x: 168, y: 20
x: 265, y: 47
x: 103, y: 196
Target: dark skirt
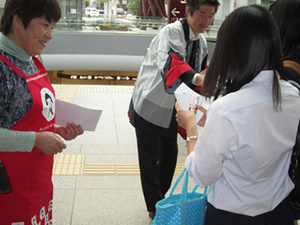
x: 296, y: 213
x: 281, y: 215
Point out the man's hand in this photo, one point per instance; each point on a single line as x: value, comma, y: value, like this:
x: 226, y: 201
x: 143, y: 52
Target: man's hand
x: 200, y: 77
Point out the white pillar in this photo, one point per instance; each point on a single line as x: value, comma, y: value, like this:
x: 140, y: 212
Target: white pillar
x: 219, y: 14
x: 252, y: 2
x: 248, y: 2
x: 113, y: 9
x: 242, y: 3
x: 106, y: 10
x: 226, y: 7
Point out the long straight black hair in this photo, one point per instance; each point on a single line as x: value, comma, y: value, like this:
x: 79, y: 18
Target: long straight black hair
x: 287, y: 16
x: 248, y: 42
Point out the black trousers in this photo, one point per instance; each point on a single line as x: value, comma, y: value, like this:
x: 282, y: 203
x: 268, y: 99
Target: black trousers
x: 157, y: 161
x: 281, y: 215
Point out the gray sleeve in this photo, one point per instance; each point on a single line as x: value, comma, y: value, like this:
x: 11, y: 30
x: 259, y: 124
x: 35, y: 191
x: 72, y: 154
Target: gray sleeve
x: 16, y: 141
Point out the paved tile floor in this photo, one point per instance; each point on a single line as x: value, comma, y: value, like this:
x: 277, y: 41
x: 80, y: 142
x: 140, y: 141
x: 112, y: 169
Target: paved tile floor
x: 96, y: 179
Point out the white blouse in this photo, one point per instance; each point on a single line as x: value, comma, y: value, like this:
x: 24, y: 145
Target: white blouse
x: 243, y: 152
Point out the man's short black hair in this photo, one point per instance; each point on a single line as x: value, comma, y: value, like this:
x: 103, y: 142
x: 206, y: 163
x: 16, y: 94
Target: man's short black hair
x: 195, y: 4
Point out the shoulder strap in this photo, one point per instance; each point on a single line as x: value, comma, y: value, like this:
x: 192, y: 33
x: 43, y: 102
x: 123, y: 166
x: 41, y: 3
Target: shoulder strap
x: 294, y: 158
x: 293, y: 65
x: 12, y: 66
x: 186, y: 29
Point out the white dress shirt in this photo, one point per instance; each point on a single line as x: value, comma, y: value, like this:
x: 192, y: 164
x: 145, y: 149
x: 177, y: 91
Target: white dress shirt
x: 243, y: 153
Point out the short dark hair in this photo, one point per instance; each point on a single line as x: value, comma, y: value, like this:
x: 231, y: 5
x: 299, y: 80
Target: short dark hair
x: 26, y: 10
x: 248, y: 42
x: 195, y: 4
x: 287, y: 16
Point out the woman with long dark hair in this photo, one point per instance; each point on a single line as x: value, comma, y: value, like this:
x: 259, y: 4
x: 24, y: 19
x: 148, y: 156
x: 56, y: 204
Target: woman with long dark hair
x: 243, y: 152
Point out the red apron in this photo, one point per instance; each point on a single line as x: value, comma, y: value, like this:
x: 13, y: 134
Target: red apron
x: 30, y: 201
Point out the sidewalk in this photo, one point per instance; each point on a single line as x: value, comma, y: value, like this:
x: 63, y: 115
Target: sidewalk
x: 96, y: 179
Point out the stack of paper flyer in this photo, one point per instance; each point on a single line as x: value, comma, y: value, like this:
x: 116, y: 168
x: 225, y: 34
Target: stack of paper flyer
x: 187, y: 98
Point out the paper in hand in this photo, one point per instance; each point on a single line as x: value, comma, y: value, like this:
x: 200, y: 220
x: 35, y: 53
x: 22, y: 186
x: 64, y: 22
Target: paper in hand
x: 187, y: 98
x: 68, y: 112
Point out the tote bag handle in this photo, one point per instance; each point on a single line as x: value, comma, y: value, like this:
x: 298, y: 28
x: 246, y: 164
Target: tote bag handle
x: 184, y: 193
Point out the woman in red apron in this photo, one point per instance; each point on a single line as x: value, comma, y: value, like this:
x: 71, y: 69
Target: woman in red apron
x: 29, y: 172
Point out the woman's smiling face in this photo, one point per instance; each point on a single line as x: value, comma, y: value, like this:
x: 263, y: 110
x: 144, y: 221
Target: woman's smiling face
x: 34, y: 38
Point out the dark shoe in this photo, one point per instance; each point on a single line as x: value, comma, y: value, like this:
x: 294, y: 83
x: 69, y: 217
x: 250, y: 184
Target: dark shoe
x: 152, y: 215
